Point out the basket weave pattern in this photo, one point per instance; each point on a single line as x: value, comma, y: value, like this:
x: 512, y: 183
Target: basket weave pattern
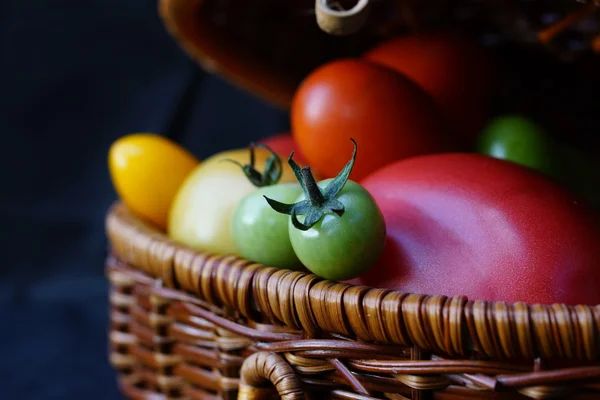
x: 192, y: 325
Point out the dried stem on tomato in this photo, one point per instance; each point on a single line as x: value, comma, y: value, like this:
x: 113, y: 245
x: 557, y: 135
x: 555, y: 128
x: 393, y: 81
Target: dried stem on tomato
x: 318, y: 202
x: 271, y: 173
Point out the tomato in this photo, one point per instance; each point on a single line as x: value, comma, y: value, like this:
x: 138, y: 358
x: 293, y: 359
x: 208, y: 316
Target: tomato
x: 201, y: 214
x: 146, y: 171
x: 488, y: 229
x: 456, y: 71
x: 336, y: 229
x: 389, y: 116
x: 284, y: 144
x: 522, y: 141
x: 342, y: 247
x: 260, y: 233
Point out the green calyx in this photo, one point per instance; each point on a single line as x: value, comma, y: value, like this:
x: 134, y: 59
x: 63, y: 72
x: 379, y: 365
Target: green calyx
x: 269, y: 176
x: 318, y: 202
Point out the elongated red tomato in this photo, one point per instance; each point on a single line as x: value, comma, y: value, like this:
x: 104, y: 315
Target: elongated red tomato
x: 488, y: 229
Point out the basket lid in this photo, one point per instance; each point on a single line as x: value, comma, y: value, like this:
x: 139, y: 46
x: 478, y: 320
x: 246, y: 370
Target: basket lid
x: 268, y: 46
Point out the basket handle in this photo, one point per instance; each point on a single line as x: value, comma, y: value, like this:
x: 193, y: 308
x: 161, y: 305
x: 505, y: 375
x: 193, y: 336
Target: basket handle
x: 341, y: 23
x: 264, y: 367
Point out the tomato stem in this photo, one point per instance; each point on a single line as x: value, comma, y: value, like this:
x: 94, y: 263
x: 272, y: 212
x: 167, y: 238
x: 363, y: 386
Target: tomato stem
x: 311, y: 189
x: 271, y: 173
x: 318, y: 202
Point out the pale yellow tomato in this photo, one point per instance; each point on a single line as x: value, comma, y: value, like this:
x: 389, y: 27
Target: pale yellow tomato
x: 202, y: 211
x: 146, y: 171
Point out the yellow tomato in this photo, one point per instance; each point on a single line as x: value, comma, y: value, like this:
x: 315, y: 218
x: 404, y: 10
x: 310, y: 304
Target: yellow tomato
x: 146, y: 171
x: 203, y: 208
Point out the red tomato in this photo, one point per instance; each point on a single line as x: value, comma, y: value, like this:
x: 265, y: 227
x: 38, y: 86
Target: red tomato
x: 488, y: 229
x: 455, y: 71
x: 389, y: 116
x: 283, y: 144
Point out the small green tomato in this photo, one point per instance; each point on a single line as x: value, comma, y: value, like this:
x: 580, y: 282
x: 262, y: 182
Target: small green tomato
x: 260, y: 233
x: 520, y: 140
x: 336, y: 228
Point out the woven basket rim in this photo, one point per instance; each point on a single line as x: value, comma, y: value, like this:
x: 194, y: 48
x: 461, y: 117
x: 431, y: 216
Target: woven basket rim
x: 553, y: 331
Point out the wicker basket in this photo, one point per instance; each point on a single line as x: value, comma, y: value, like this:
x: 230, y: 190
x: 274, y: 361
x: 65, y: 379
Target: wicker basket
x: 192, y: 325
x: 189, y: 325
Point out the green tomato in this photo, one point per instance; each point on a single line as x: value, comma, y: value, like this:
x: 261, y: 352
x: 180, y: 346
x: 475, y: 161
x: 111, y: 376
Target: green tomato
x: 342, y: 247
x: 261, y: 233
x: 522, y: 141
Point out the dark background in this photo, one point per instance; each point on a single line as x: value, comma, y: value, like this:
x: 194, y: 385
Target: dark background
x: 76, y: 75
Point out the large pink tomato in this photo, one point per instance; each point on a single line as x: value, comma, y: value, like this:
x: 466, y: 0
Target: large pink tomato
x: 467, y: 224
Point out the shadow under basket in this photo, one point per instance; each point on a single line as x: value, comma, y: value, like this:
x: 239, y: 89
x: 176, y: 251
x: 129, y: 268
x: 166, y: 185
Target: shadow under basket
x: 190, y: 325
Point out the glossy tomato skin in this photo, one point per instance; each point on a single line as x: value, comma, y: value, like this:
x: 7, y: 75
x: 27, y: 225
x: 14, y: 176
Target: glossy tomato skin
x: 203, y: 207
x: 488, y: 229
x: 342, y: 247
x: 261, y: 233
x: 457, y: 72
x: 388, y: 115
x: 147, y: 170
x: 520, y: 140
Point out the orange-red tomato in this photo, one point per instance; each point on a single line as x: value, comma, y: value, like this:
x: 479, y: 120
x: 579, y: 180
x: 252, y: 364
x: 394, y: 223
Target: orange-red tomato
x: 455, y: 71
x: 387, y: 114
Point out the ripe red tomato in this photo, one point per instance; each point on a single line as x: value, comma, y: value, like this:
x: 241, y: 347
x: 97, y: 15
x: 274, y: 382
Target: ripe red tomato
x: 455, y: 71
x: 489, y: 229
x: 389, y: 116
x: 283, y: 144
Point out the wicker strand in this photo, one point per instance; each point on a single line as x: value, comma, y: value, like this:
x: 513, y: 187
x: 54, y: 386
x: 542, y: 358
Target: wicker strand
x: 351, y: 379
x: 596, y: 44
x: 121, y: 339
x: 263, y: 367
x: 549, y: 33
